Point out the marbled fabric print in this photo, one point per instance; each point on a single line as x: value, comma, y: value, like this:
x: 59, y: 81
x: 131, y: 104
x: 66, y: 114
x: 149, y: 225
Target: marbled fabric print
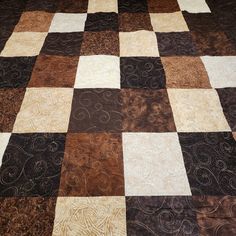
x: 171, y: 44
x: 27, y: 216
x: 228, y: 101
x: 66, y: 44
x: 216, y: 216
x: 163, y: 216
x: 72, y: 6
x: 210, y: 162
x: 10, y: 103
x: 142, y: 72
x: 163, y: 6
x: 31, y: 165
x: 92, y: 165
x: 96, y: 110
x: 15, y: 72
x: 133, y: 6
x: 134, y: 21
x: 102, y: 22
x: 146, y: 111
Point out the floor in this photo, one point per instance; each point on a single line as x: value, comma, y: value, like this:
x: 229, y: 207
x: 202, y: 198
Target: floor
x: 117, y: 117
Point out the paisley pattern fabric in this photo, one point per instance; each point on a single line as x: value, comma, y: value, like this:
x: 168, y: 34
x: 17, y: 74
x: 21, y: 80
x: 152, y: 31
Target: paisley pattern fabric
x: 117, y: 118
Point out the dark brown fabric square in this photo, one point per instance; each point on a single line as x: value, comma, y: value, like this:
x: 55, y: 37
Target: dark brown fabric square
x: 163, y: 6
x: 133, y: 6
x: 73, y: 6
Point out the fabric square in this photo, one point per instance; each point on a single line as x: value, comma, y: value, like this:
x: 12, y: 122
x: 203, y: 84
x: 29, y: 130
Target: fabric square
x: 90, y: 216
x: 44, y: 110
x: 4, y: 139
x: 146, y: 111
x: 23, y: 44
x: 228, y: 102
x: 66, y: 44
x: 103, y: 72
x: 163, y: 6
x: 73, y: 6
x: 134, y: 21
x: 102, y: 6
x: 31, y: 215
x: 148, y: 167
x: 197, y: 110
x: 168, y: 22
x: 220, y: 78
x: 35, y: 161
x: 95, y: 43
x: 139, y: 43
x: 185, y: 72
x: 175, y: 44
x: 132, y: 6
x: 92, y: 166
x: 10, y: 103
x: 210, y: 162
x: 96, y: 110
x: 54, y: 71
x: 215, y: 214
x: 142, y: 72
x: 42, y: 5
x: 102, y: 22
x: 199, y: 6
x: 15, y: 72
x: 36, y: 21
x: 68, y: 22
x: 163, y: 216
x: 213, y: 44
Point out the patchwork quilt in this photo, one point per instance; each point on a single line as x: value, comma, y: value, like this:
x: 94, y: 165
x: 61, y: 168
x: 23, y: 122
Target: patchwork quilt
x: 117, y: 117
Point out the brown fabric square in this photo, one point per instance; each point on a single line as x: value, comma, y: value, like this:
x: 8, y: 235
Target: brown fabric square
x: 10, y: 103
x: 92, y: 165
x: 147, y: 111
x: 70, y: 6
x: 27, y: 215
x: 134, y: 21
x: 213, y: 44
x: 163, y: 6
x: 185, y: 72
x: 35, y: 21
x: 54, y: 71
x: 95, y: 43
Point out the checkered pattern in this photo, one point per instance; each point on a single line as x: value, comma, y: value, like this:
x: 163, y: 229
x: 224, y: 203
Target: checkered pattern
x: 117, y: 117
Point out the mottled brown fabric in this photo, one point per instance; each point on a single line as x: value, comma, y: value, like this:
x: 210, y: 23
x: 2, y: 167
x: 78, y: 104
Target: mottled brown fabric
x: 35, y: 21
x: 146, y: 111
x: 95, y: 43
x: 163, y: 6
x: 27, y: 216
x: 54, y: 71
x: 185, y: 72
x: 73, y: 6
x: 92, y: 165
x: 134, y: 21
x: 10, y: 103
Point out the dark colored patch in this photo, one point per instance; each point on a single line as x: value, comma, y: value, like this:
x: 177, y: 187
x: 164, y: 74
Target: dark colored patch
x: 73, y: 6
x: 132, y: 6
x: 42, y: 5
x: 163, y: 6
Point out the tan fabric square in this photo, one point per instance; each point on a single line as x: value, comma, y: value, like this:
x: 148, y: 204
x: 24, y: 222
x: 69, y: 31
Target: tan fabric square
x: 139, y: 43
x: 35, y: 21
x: 168, y: 22
x: 197, y: 110
x: 185, y: 72
x: 24, y: 44
x: 90, y: 216
x: 102, y: 6
x: 44, y: 110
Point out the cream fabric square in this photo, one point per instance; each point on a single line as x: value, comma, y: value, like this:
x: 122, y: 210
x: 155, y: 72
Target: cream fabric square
x: 148, y: 165
x: 4, y: 139
x: 24, y: 44
x: 197, y: 110
x: 168, y: 22
x: 68, y: 22
x: 194, y: 6
x: 221, y: 70
x: 102, y: 6
x: 138, y: 43
x: 44, y: 110
x: 98, y: 71
x: 90, y: 216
